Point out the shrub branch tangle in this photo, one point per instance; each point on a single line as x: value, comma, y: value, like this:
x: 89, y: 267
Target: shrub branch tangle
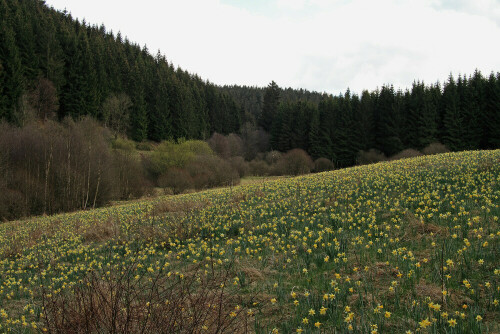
x: 51, y: 167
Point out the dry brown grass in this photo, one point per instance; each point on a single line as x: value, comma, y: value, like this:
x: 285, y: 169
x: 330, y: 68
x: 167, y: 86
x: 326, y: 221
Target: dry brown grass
x: 416, y: 229
x: 169, y: 206
x: 100, y: 231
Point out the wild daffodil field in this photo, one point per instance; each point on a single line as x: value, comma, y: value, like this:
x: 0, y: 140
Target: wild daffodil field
x: 410, y: 246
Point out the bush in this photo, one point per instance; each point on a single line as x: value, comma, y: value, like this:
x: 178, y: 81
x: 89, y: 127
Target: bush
x: 239, y: 165
x: 405, y: 154
x: 176, y: 179
x: 258, y: 167
x: 129, y: 179
x: 170, y: 154
x: 123, y: 144
x: 294, y: 162
x: 11, y: 204
x: 235, y: 144
x: 435, y: 148
x: 272, y: 157
x: 211, y: 171
x: 323, y: 165
x: 50, y: 167
x: 371, y: 156
x: 220, y: 145
x: 144, y: 146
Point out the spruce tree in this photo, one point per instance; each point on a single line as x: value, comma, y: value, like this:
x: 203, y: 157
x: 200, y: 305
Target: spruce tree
x: 453, y: 122
x: 492, y: 112
x: 389, y: 121
x: 315, y: 144
x: 270, y: 106
x: 11, y: 72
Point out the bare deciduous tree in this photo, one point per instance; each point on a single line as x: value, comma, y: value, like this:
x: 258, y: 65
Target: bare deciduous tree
x: 44, y: 99
x: 115, y: 110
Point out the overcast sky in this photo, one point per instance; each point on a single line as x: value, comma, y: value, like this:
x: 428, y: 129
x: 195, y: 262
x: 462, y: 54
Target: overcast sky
x: 322, y: 45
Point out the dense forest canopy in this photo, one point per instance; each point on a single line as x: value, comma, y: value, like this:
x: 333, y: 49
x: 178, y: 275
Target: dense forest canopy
x: 53, y: 66
x: 86, y: 66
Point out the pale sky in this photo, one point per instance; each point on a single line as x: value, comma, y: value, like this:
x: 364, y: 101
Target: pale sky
x: 322, y: 45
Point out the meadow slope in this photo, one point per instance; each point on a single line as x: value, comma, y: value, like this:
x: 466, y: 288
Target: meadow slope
x: 395, y: 247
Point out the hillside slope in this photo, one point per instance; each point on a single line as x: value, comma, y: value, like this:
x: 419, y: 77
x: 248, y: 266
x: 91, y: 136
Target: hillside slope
x: 405, y: 245
x: 56, y: 64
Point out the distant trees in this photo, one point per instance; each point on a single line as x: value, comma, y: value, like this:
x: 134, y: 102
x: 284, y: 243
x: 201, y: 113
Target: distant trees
x: 52, y: 167
x: 347, y: 129
x: 63, y: 67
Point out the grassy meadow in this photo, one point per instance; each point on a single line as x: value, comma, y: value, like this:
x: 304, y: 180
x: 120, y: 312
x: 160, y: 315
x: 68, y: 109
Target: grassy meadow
x: 409, y: 246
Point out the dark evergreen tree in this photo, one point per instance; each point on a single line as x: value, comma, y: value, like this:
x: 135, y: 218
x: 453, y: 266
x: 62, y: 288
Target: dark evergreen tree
x: 138, y: 119
x: 315, y: 143
x: 345, y: 144
x: 453, y: 122
x: 365, y: 121
x: 325, y: 109
x: 491, y: 125
x: 270, y: 106
x: 388, y: 120
x: 470, y: 91
x: 12, y: 72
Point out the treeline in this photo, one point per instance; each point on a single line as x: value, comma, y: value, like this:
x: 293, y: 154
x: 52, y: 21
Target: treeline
x: 251, y: 98
x: 82, y: 69
x: 464, y: 114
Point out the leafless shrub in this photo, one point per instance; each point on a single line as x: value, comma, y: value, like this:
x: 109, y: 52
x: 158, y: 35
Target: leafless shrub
x: 235, y: 144
x: 212, y: 171
x: 44, y: 99
x: 371, y: 156
x: 258, y: 167
x: 272, y: 157
x: 435, y: 148
x: 239, y: 165
x: 405, y: 154
x: 49, y: 167
x: 294, y: 162
x: 115, y: 112
x: 219, y: 144
x: 176, y: 179
x: 323, y: 165
x: 137, y: 301
x: 129, y: 180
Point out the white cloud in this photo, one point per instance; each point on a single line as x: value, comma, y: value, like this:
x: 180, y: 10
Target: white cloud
x: 314, y: 44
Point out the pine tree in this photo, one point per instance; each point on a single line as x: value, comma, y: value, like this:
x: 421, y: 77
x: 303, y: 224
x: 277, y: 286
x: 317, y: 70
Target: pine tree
x: 453, y: 126
x: 492, y: 112
x: 365, y: 121
x: 11, y: 72
x: 138, y: 119
x: 388, y: 118
x: 282, y: 139
x: 270, y: 106
x: 315, y: 149
x: 470, y: 107
x: 428, y: 118
x: 325, y: 109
